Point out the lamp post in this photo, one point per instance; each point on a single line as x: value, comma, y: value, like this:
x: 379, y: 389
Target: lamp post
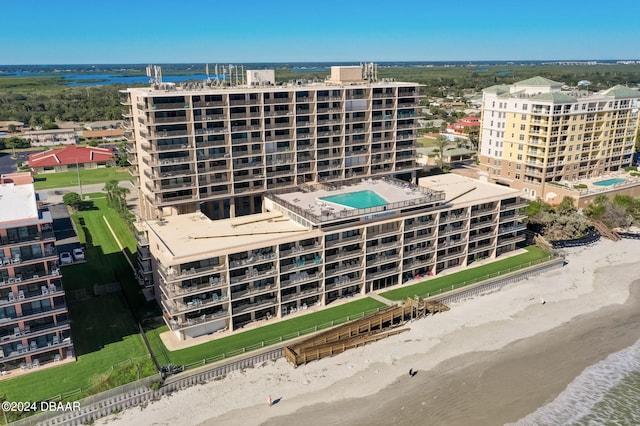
x: 79, y: 182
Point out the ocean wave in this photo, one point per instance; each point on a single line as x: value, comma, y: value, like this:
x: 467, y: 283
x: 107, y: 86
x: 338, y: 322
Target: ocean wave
x: 590, y: 397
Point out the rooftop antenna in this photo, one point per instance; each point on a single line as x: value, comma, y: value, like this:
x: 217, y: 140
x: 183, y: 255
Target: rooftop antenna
x: 154, y: 72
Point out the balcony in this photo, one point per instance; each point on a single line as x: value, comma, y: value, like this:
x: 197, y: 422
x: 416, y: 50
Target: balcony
x: 20, y: 278
x: 300, y: 278
x: 252, y: 275
x: 181, y: 307
x: 418, y: 224
x: 449, y: 256
x: 343, y: 281
x: 33, y: 348
x: 384, y: 246
x: 382, y: 274
x: 180, y: 324
x: 252, y: 291
x: 173, y: 274
x: 248, y: 307
x: 300, y: 294
x: 31, y: 238
x: 511, y: 240
x: 173, y: 290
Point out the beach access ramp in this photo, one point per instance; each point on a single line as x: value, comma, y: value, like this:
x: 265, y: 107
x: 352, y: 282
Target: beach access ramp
x: 380, y: 325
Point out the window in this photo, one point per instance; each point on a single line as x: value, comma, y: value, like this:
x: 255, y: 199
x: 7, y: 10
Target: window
x: 519, y: 157
x: 523, y: 127
x: 521, y: 137
x: 524, y: 108
x: 518, y: 166
x: 520, y: 147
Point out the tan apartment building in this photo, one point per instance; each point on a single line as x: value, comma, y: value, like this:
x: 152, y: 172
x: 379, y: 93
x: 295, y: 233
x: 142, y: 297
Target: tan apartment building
x: 323, y: 241
x: 218, y: 147
x: 537, y: 136
x: 34, y: 319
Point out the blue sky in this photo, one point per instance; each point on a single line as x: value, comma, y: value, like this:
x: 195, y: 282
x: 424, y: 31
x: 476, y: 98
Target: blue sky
x: 140, y: 31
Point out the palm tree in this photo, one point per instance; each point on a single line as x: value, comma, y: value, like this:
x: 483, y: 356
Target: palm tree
x: 441, y: 144
x: 110, y: 188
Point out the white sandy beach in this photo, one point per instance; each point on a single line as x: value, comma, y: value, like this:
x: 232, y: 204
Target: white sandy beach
x: 595, y: 277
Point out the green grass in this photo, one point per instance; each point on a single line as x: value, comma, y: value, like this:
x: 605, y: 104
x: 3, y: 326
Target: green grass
x: 103, y: 329
x: 253, y: 337
x: 426, y: 142
x: 468, y: 276
x: 111, y: 264
x: 87, y: 177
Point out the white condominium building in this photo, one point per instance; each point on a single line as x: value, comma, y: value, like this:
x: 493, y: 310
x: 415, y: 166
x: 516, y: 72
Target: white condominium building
x: 317, y: 243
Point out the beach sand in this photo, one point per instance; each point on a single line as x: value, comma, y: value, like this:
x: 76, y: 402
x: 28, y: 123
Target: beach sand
x: 490, y: 360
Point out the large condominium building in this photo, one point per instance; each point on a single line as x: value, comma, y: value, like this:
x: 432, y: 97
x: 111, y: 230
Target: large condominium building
x: 534, y: 132
x: 34, y: 321
x: 218, y: 148
x: 323, y: 241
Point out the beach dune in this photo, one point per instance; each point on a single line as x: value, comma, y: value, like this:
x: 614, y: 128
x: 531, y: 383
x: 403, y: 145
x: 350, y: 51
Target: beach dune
x: 489, y: 360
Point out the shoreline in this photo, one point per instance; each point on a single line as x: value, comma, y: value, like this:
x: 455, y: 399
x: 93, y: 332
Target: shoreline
x: 492, y: 387
x: 595, y: 277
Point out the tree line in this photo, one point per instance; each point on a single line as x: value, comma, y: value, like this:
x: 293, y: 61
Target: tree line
x: 37, y: 101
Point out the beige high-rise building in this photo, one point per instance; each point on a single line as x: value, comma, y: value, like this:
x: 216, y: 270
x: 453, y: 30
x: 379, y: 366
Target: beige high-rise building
x: 536, y: 132
x: 218, y: 148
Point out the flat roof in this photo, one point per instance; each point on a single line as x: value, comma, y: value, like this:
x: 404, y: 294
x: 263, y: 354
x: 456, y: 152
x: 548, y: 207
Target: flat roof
x: 462, y: 190
x: 194, y: 234
x: 17, y: 203
x: 152, y: 91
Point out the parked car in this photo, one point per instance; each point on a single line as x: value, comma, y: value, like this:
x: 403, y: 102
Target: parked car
x: 65, y: 258
x: 78, y: 254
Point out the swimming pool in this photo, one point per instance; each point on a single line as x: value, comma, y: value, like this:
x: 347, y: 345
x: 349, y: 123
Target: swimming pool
x: 609, y: 182
x: 356, y: 200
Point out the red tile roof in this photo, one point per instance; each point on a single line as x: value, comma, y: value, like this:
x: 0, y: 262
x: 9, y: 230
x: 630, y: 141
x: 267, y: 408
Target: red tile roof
x: 71, y: 154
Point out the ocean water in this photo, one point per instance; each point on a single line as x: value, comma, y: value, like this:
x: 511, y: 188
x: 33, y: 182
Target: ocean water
x: 606, y: 393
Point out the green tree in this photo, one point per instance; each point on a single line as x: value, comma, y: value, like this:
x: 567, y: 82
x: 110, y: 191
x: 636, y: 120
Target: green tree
x: 49, y: 126
x: 566, y: 206
x: 441, y: 143
x: 73, y: 200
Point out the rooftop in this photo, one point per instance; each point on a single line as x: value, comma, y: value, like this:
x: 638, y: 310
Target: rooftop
x: 194, y: 234
x: 70, y: 155
x: 17, y: 203
x: 461, y: 190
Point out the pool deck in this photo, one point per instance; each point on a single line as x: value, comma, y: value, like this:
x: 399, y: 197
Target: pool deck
x: 393, y: 191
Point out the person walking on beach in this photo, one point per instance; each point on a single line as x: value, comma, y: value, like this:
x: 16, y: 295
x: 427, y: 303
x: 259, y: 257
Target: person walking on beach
x: 411, y: 372
x: 269, y: 401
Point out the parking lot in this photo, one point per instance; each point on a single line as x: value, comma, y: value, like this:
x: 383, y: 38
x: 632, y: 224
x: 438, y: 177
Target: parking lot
x: 66, y: 234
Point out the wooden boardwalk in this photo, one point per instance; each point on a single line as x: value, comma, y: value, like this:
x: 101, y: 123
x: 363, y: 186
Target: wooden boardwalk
x: 380, y: 325
x: 605, y: 231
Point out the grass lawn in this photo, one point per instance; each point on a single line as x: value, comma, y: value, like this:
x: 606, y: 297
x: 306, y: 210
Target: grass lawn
x: 87, y: 177
x: 255, y: 336
x: 104, y: 334
x: 103, y: 328
x: 468, y: 276
x: 109, y: 263
x: 426, y: 142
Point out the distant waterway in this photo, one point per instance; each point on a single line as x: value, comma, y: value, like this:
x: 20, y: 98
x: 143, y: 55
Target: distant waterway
x: 89, y: 79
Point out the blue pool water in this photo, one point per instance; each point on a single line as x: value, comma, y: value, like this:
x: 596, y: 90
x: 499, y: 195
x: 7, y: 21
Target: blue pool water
x: 609, y: 182
x: 357, y: 200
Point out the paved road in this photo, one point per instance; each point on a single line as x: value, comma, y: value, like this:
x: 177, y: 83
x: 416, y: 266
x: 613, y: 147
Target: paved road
x: 54, y: 196
x: 7, y: 164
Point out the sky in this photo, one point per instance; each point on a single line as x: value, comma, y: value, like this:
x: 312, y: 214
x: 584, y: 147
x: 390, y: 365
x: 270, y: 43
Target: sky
x: 141, y: 31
